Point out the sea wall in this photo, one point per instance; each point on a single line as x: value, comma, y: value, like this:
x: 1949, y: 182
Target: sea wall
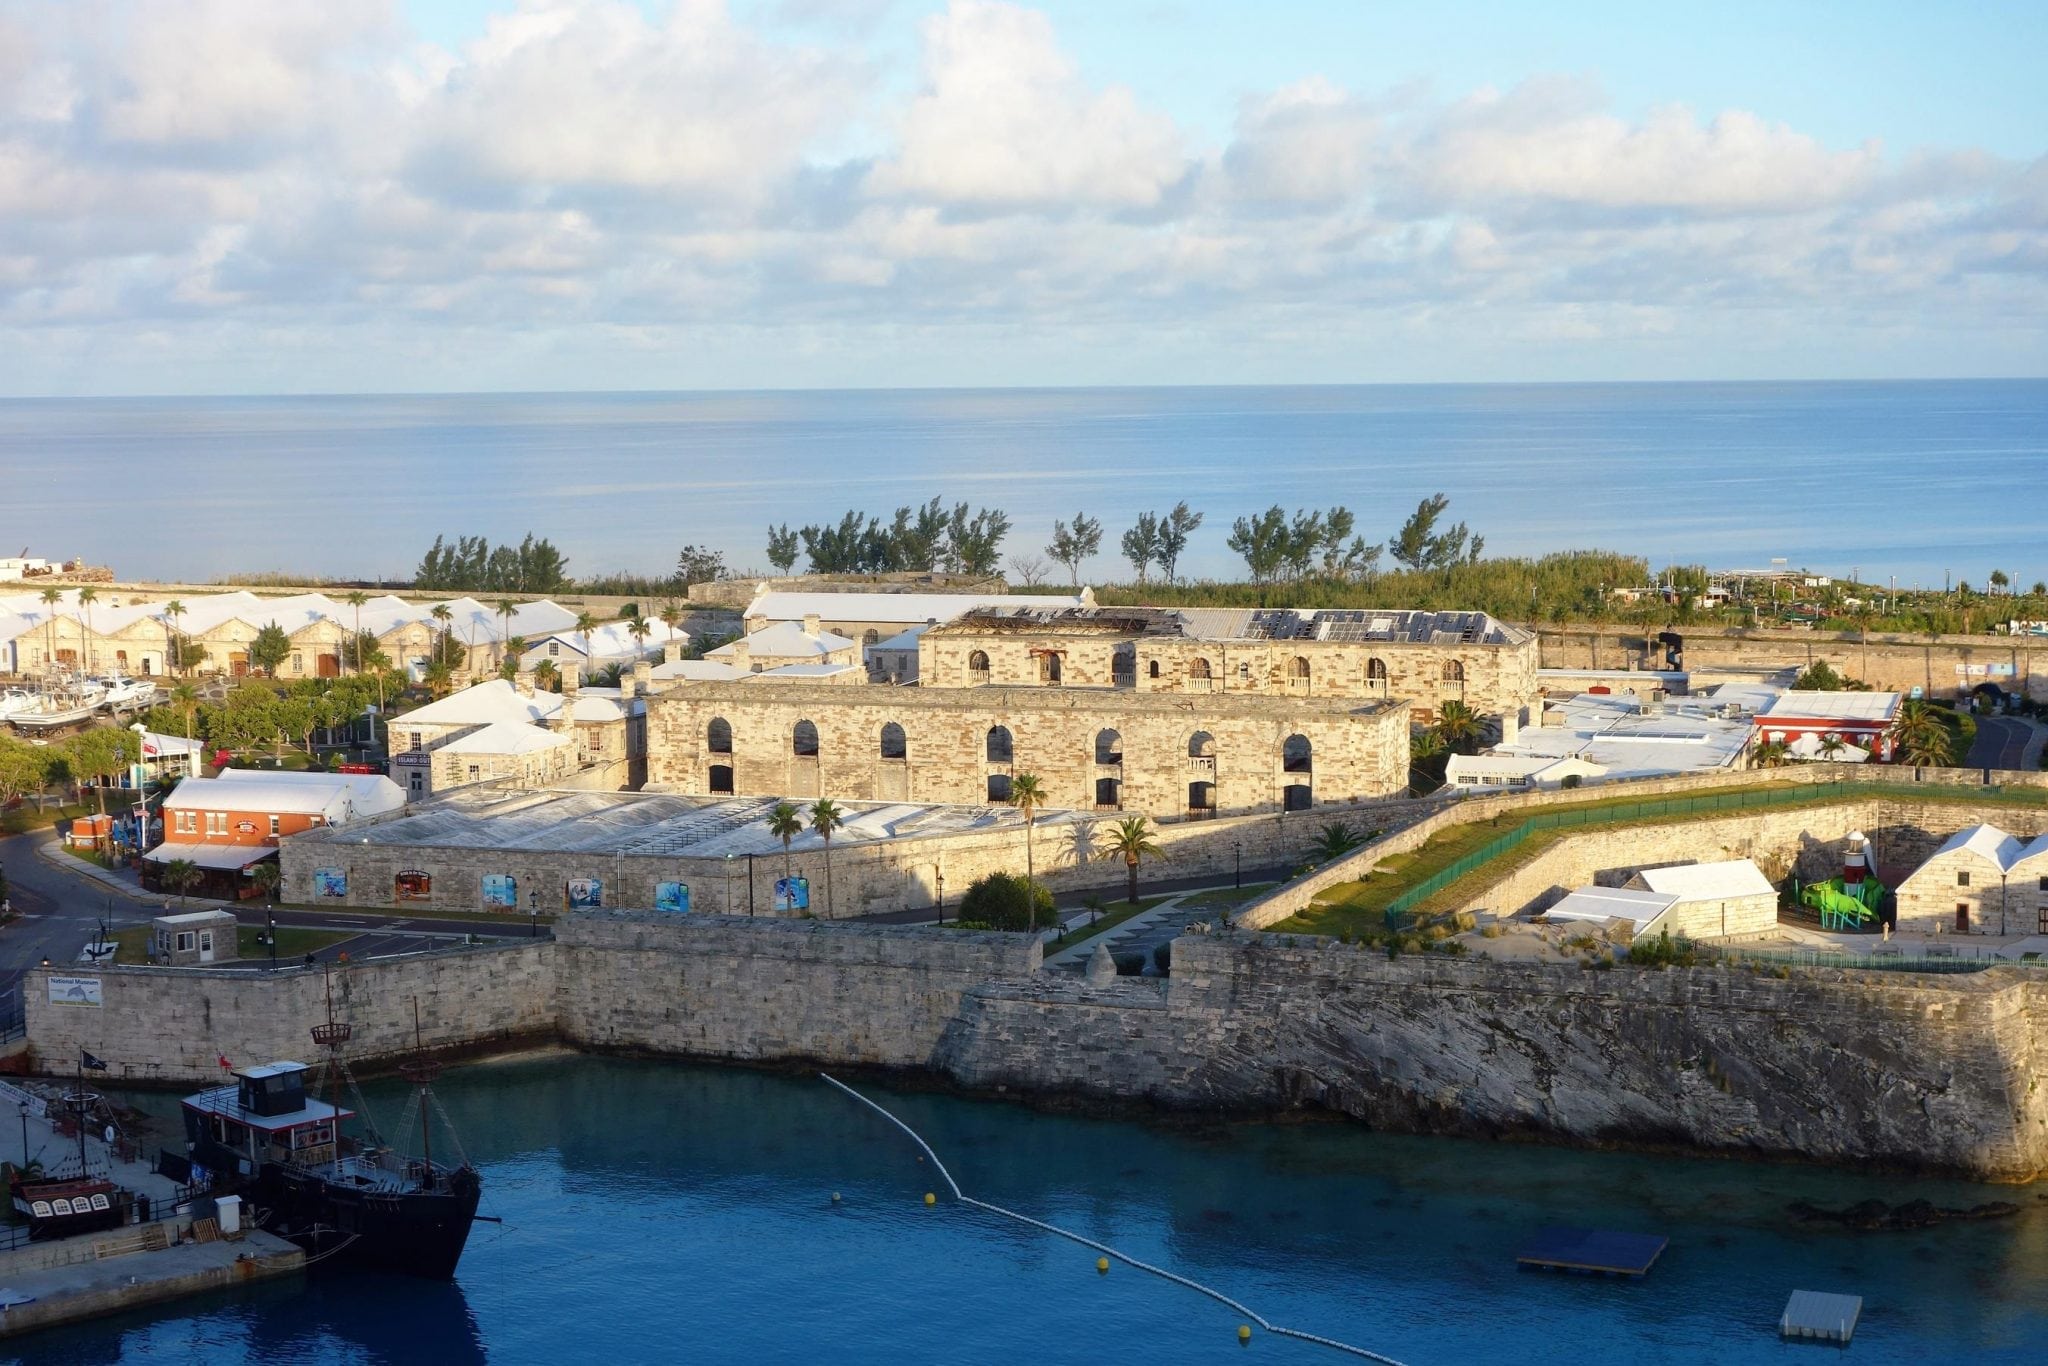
x: 1905, y: 1070
x: 1895, y: 1069
x: 166, y: 1025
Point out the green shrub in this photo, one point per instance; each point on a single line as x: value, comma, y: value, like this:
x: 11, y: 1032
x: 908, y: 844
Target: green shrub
x: 1572, y: 780
x: 1493, y: 931
x: 1162, y: 958
x: 1004, y: 901
x: 1663, y: 952
x: 1130, y: 964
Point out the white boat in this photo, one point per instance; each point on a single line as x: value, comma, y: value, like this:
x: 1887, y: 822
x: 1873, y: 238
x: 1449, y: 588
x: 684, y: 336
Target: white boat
x: 15, y: 700
x: 52, y: 712
x: 117, y: 692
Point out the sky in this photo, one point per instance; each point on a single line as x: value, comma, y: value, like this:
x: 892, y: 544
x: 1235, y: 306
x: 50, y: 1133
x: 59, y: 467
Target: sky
x: 290, y: 196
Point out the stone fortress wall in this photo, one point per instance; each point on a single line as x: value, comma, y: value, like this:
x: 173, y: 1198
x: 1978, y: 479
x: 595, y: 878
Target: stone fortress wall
x: 1880, y: 1068
x: 1157, y: 753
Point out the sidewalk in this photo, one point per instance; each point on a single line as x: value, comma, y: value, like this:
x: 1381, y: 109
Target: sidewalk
x: 127, y: 884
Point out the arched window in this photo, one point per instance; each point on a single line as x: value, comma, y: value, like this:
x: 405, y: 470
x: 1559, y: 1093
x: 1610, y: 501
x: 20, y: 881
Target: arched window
x: 1297, y: 756
x: 1297, y: 669
x: 1109, y: 747
x: 1153, y: 670
x: 718, y: 736
x: 1049, y: 667
x: 1123, y: 665
x: 894, y: 745
x: 999, y: 787
x: 871, y: 638
x: 1201, y: 745
x: 1198, y: 668
x: 804, y: 740
x: 1001, y: 750
x: 1376, y: 674
x: 1454, y: 671
x: 977, y: 666
x: 721, y: 780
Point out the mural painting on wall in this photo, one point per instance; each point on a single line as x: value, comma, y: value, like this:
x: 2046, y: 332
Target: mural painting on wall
x: 414, y: 885
x: 331, y: 882
x: 584, y: 893
x: 501, y: 889
x: 672, y: 896
x: 792, y: 894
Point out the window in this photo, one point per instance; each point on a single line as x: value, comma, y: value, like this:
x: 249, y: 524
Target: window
x: 1962, y: 879
x: 999, y: 787
x: 1001, y: 749
x: 718, y: 736
x: 2044, y: 884
x: 1297, y: 670
x: 474, y: 772
x: 1109, y: 747
x: 1376, y: 673
x: 273, y: 825
x: 554, y: 649
x: 803, y: 740
x: 894, y: 744
x: 186, y: 939
x: 418, y: 739
x: 298, y: 662
x: 721, y: 780
x: 216, y: 822
x: 977, y: 663
x: 1152, y: 670
x: 871, y: 638
x: 1244, y: 670
x: 1049, y: 667
x: 1201, y: 745
x: 187, y: 822
x: 1198, y: 668
x: 1296, y: 755
x: 1454, y: 671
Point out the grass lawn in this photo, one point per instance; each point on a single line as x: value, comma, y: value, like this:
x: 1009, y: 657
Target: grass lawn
x: 1226, y: 898
x: 1356, y: 907
x: 132, y: 945
x: 25, y: 817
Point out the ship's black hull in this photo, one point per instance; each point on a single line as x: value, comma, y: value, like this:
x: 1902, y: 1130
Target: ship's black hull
x: 415, y: 1233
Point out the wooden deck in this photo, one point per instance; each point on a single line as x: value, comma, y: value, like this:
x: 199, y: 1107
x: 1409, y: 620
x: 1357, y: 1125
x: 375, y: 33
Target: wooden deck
x: 1591, y: 1251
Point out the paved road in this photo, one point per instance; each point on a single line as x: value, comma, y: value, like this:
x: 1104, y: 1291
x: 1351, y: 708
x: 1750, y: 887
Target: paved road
x: 2001, y: 743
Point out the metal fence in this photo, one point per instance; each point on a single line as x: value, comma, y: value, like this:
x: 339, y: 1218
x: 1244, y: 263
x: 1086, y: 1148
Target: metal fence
x: 1695, y: 804
x: 1876, y: 961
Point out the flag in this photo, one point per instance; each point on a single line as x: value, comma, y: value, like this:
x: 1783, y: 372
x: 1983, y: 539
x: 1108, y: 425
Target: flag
x: 90, y: 1063
x: 225, y: 1065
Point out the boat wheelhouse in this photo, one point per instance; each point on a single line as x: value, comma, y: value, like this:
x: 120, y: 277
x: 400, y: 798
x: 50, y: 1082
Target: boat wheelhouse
x: 265, y: 1116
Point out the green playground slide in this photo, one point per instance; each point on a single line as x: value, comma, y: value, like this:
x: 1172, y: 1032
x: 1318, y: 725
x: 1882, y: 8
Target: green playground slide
x: 1839, y: 907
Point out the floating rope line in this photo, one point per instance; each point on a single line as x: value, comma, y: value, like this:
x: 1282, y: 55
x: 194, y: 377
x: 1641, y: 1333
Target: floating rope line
x: 1105, y: 1248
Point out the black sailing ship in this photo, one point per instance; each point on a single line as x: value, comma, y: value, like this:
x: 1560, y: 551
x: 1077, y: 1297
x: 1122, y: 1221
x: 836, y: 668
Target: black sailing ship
x: 356, y: 1201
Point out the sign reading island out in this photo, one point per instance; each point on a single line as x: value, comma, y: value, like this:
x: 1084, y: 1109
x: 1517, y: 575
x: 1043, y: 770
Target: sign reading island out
x: 74, y: 991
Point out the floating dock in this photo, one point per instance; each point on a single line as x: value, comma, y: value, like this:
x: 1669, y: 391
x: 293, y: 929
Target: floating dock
x: 1591, y: 1251
x: 1819, y: 1317
x: 68, y: 1279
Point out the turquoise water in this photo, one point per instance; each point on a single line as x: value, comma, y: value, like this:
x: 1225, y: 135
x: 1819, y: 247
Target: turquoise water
x: 660, y: 1213
x: 1908, y: 479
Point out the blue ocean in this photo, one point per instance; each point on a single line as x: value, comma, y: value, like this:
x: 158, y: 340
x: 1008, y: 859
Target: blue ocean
x: 1913, y: 481
x: 660, y: 1212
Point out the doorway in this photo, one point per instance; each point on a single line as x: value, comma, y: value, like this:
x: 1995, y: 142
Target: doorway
x: 1962, y: 918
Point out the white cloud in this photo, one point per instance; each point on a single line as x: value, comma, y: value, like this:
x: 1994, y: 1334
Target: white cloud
x: 605, y: 177
x: 1005, y: 120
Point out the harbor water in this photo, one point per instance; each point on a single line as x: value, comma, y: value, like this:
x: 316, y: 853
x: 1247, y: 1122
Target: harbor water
x: 661, y: 1212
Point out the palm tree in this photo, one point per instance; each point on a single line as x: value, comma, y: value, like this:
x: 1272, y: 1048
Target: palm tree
x: 181, y: 876
x: 1027, y: 794
x: 265, y: 876
x: 825, y: 818
x: 515, y: 646
x: 1831, y: 746
x: 639, y: 628
x: 670, y: 615
x: 1922, y: 737
x: 87, y: 596
x: 174, y: 655
x: 1335, y: 842
x: 1423, y: 746
x: 445, y: 615
x: 440, y: 679
x: 547, y: 676
x: 1130, y: 839
x: 1460, y: 728
x: 1864, y: 616
x: 586, y: 623
x: 505, y: 607
x: 1770, y: 754
x: 356, y: 599
x: 51, y: 597
x: 185, y: 698
x: 785, y: 822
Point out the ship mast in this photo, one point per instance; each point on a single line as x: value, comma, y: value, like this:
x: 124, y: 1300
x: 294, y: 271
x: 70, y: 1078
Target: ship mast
x: 331, y: 1036
x: 421, y: 1072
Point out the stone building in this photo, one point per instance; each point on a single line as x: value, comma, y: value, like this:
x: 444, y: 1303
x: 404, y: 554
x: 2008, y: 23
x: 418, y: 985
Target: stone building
x: 1422, y: 658
x: 1718, y: 900
x: 1094, y: 749
x: 499, y: 729
x: 1980, y: 881
x: 785, y: 643
x: 869, y: 618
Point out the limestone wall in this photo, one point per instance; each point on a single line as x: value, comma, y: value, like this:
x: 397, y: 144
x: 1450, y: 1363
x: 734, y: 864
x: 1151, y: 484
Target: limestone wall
x: 766, y: 990
x: 1929, y: 1072
x: 1358, y: 750
x: 173, y: 1024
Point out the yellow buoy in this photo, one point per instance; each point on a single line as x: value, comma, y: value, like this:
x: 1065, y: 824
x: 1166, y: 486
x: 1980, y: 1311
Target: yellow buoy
x: 1102, y: 1265
x: 930, y: 1199
x: 1244, y: 1332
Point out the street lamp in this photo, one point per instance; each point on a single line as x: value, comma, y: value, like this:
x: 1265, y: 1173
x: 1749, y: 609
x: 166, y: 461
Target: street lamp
x: 533, y: 911
x: 727, y: 908
x: 750, y: 884
x: 270, y: 933
x: 941, y: 876
x: 1237, y: 862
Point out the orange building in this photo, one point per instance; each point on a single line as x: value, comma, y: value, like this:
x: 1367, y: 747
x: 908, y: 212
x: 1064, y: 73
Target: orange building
x: 227, y: 825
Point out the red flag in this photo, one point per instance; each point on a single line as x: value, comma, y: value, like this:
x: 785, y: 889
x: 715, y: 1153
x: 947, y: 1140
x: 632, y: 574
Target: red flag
x: 224, y: 1063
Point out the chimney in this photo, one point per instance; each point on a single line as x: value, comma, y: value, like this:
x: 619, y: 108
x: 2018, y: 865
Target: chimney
x: 672, y: 648
x: 1510, y: 726
x: 740, y: 653
x: 523, y: 682
x: 643, y: 679
x: 563, y: 722
x: 811, y: 623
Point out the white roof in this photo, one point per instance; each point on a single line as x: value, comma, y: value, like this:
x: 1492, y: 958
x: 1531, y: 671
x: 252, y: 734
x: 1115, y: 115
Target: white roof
x: 312, y: 794
x: 483, y: 704
x: 506, y: 737
x: 1875, y: 708
x: 1987, y: 842
x: 193, y: 917
x: 1709, y: 881
x: 155, y: 746
x: 785, y: 640
x: 1512, y: 765
x: 1612, y: 903
x: 696, y: 671
x: 211, y: 855
x: 907, y: 608
x: 813, y: 671
x: 613, y: 640
x: 2036, y: 848
x: 903, y: 640
x: 1613, y: 732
